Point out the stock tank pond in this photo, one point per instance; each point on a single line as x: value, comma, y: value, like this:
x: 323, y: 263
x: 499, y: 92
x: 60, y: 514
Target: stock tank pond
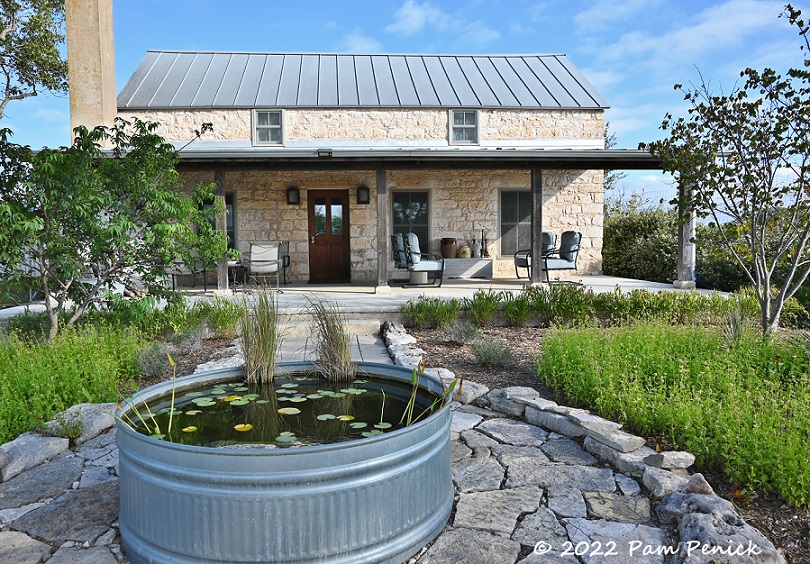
x: 297, y: 470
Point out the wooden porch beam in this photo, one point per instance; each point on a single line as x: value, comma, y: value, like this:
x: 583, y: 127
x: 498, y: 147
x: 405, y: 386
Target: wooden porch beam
x: 537, y: 227
x: 382, y: 230
x: 221, y: 225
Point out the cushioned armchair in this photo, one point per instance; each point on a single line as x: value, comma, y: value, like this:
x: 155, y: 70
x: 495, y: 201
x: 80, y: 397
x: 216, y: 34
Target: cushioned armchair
x: 407, y: 255
x: 565, y: 256
x: 523, y: 259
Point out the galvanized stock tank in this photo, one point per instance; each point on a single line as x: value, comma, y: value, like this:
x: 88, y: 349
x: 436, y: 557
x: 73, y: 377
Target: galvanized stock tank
x: 373, y: 500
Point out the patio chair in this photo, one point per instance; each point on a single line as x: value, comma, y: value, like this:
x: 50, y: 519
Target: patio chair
x: 523, y: 259
x: 181, y: 269
x: 565, y: 256
x: 267, y: 259
x: 408, y: 256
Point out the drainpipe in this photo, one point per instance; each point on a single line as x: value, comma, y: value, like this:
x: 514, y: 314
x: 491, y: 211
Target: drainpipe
x: 91, y: 63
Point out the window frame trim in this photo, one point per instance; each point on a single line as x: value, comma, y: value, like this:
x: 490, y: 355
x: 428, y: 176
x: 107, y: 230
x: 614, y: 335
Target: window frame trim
x: 451, y: 114
x: 254, y: 125
x: 500, y: 218
x: 429, y: 193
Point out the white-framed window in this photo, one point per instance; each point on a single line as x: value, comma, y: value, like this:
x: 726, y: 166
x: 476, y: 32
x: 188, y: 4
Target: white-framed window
x: 409, y: 212
x: 463, y: 127
x: 515, y: 221
x: 268, y: 127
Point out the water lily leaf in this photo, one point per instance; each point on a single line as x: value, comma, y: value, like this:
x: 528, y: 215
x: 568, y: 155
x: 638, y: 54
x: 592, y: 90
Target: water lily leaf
x: 285, y: 439
x: 218, y: 392
x: 193, y: 412
x: 383, y: 425
x: 194, y: 394
x: 314, y: 396
x: 250, y: 397
x: 242, y: 401
x: 242, y: 427
x: 297, y: 399
x: 287, y: 434
x: 231, y: 398
x: 282, y: 398
x: 358, y: 425
x: 241, y: 389
x: 289, y: 411
x: 262, y: 401
x: 189, y: 429
x: 199, y: 401
x: 360, y: 382
x: 338, y: 395
x: 286, y: 391
x: 176, y: 411
x: 289, y: 385
x: 345, y: 417
x: 373, y: 433
x: 325, y: 417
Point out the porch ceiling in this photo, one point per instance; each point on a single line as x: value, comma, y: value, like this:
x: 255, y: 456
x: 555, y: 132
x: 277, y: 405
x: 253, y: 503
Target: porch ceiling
x: 436, y: 159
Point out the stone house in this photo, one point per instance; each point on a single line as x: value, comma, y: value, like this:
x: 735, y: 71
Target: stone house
x: 334, y: 152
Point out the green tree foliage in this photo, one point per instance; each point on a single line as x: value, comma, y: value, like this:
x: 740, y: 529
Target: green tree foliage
x: 77, y: 221
x: 746, y: 156
x: 31, y: 33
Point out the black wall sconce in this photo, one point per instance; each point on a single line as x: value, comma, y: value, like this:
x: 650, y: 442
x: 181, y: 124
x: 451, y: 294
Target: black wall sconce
x: 363, y: 194
x: 293, y: 196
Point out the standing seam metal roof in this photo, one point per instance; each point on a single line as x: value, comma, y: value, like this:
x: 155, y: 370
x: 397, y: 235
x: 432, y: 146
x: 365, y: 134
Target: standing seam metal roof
x: 183, y: 80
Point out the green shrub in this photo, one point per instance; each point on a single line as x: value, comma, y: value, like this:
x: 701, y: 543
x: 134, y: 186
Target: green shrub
x: 482, y: 306
x: 153, y: 360
x: 42, y: 379
x: 517, y: 308
x: 640, y: 242
x: 741, y: 406
x: 428, y: 312
x: 462, y: 333
x: 492, y: 353
x: 224, y: 316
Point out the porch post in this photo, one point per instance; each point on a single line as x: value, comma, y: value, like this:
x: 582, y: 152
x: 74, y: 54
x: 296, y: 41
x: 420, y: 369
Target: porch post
x: 686, y: 245
x: 537, y: 227
x: 382, y: 233
x: 222, y: 265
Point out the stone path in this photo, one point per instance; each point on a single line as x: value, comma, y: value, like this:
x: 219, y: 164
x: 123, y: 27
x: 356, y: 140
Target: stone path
x: 535, y: 483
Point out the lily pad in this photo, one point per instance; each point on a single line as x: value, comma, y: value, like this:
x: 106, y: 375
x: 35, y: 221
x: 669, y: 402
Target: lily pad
x: 189, y: 429
x: 358, y: 425
x: 289, y: 386
x: 287, y: 434
x: 289, y: 411
x: 242, y: 427
x: 241, y: 389
x: 285, y: 438
x: 338, y: 395
x: 250, y: 397
x: 345, y: 417
x: 218, y: 392
x: 314, y: 396
x: 360, y: 382
x: 325, y: 417
x: 262, y: 401
x: 193, y: 412
x: 281, y: 398
x: 383, y: 425
x: 297, y: 399
x: 242, y: 401
x: 231, y: 398
x: 373, y: 433
x: 194, y: 394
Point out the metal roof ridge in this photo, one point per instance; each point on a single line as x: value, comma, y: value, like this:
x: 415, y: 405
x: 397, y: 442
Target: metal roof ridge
x: 369, y: 54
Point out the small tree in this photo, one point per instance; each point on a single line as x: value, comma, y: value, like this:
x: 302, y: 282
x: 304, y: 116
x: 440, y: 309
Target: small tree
x: 746, y: 158
x: 31, y: 33
x: 76, y: 222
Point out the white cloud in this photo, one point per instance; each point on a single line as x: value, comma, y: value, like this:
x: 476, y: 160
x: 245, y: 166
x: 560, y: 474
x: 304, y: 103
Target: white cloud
x: 604, y: 14
x: 413, y: 18
x: 476, y: 33
x: 356, y: 42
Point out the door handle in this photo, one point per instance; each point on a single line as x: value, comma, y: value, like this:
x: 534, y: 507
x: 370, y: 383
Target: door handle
x: 312, y: 239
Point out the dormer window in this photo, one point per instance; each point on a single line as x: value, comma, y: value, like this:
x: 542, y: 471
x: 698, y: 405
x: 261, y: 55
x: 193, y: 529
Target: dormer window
x: 463, y: 127
x: 267, y: 127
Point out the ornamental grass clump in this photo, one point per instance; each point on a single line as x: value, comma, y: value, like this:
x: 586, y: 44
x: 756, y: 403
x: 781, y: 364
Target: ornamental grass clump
x: 332, y: 341
x: 261, y: 338
x: 482, y: 306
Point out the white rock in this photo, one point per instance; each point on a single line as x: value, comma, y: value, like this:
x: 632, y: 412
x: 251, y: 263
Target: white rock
x: 662, y: 482
x: 29, y: 450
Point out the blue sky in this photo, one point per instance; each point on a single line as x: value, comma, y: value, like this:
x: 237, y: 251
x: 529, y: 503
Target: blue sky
x: 633, y: 51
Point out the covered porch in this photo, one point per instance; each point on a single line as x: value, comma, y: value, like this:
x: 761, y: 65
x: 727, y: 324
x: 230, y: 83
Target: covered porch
x: 337, y: 206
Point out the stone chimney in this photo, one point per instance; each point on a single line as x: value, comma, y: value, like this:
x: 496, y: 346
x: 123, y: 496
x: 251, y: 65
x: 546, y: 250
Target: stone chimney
x: 91, y: 63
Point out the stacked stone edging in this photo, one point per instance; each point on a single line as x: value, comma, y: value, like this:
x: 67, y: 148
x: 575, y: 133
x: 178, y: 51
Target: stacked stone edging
x: 685, y: 502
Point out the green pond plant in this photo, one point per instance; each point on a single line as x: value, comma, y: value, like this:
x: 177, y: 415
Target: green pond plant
x: 261, y: 337
x: 332, y: 341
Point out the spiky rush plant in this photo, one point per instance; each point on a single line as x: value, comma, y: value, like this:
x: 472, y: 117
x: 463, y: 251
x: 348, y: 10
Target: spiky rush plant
x: 332, y: 341
x: 261, y: 338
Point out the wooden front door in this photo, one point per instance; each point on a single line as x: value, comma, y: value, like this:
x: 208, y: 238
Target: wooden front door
x: 328, y: 235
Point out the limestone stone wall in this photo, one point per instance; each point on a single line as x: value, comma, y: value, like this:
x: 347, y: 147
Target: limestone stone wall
x: 391, y: 126
x: 462, y: 203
